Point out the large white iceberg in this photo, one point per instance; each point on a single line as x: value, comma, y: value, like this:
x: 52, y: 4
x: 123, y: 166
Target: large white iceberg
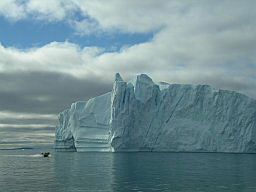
x: 141, y: 115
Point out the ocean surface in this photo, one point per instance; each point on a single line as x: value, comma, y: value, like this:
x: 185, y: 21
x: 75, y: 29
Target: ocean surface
x: 26, y: 170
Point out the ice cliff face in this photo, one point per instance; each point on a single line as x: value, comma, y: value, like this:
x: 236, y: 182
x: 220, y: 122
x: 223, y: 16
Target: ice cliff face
x: 141, y: 115
x: 85, y: 126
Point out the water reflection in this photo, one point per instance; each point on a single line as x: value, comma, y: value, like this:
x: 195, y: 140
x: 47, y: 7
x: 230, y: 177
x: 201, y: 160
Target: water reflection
x: 84, y: 171
x: 184, y: 172
x: 155, y: 172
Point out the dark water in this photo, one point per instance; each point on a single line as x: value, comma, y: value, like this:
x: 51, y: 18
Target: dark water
x: 27, y: 171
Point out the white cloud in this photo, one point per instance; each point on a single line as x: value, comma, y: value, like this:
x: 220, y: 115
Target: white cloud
x: 54, y: 57
x: 49, y: 10
x: 129, y: 16
x: 12, y: 10
x: 86, y: 27
x: 46, y: 10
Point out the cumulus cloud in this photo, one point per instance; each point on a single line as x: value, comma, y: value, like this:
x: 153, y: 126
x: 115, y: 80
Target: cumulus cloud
x: 49, y: 10
x: 129, y: 16
x: 12, y: 10
x: 126, y: 16
x: 42, y: 10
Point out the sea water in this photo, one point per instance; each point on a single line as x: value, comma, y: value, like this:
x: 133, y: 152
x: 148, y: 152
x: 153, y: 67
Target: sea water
x: 27, y: 170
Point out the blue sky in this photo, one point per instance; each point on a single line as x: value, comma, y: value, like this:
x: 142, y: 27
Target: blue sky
x: 29, y: 33
x: 53, y: 53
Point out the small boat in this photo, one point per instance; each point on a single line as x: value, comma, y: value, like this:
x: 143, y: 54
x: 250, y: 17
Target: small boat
x: 45, y: 154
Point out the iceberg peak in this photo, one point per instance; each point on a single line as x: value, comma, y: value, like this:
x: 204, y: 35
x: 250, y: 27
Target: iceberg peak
x: 141, y: 79
x: 118, y: 77
x: 144, y: 79
x: 144, y: 87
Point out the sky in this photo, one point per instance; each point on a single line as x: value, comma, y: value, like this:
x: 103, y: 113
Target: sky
x: 53, y: 53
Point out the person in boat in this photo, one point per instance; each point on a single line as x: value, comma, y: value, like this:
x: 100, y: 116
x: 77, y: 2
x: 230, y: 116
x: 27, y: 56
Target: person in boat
x: 45, y: 154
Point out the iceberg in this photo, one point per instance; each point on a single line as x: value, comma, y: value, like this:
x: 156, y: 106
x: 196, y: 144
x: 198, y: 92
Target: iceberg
x: 141, y: 115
